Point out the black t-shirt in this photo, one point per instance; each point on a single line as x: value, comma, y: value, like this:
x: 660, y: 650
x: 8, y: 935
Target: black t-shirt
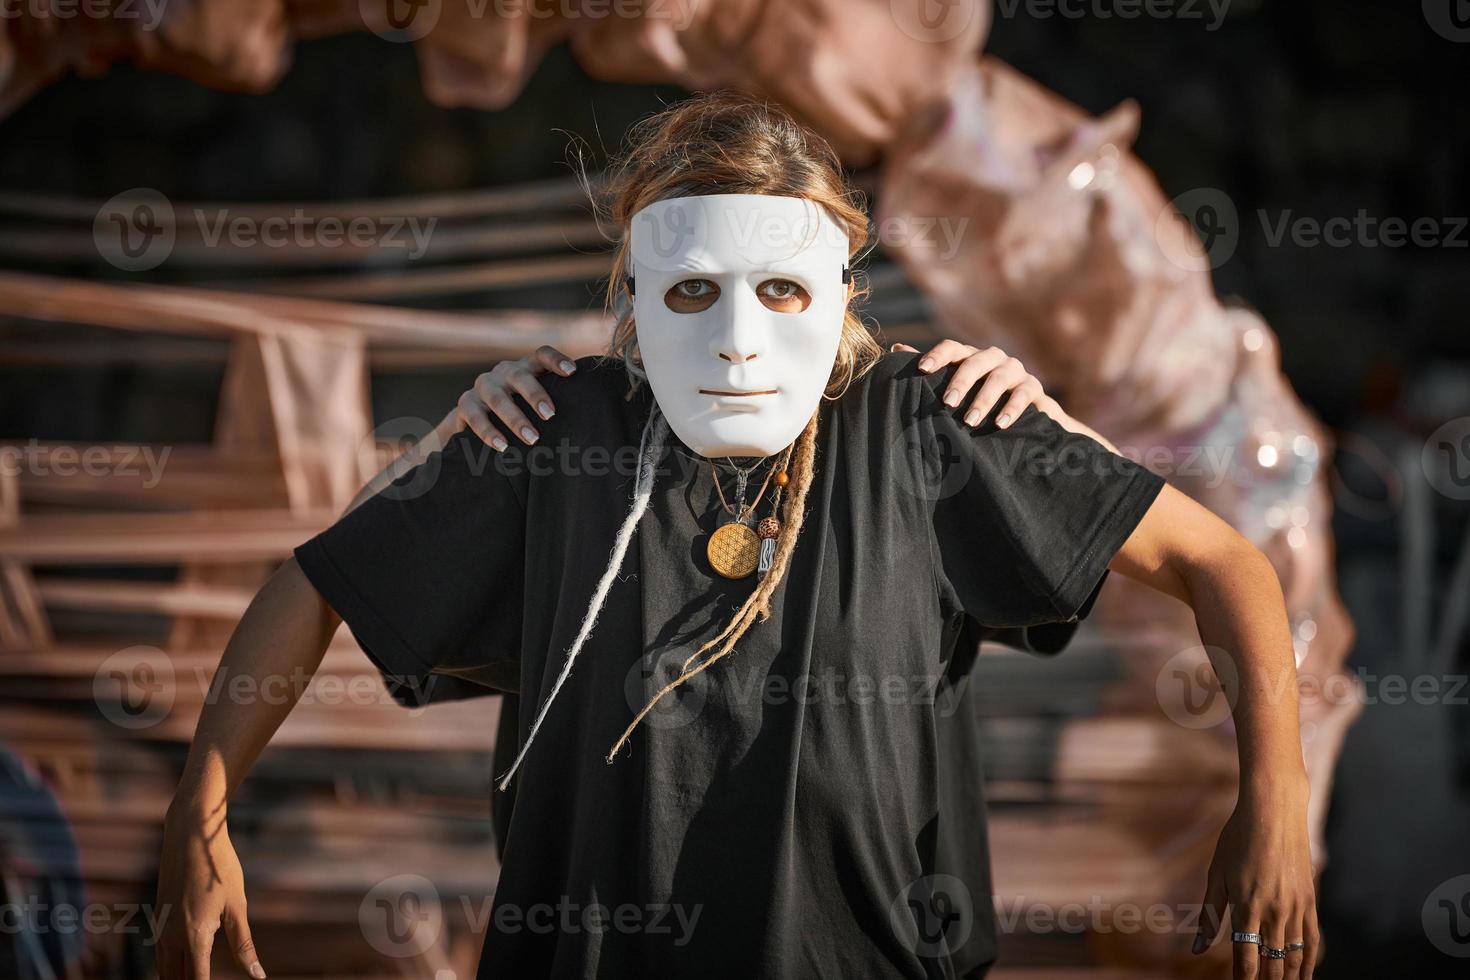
x: 803, y: 808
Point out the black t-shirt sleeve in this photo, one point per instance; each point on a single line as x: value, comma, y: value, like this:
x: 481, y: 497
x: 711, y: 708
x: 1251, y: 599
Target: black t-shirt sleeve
x: 1027, y: 518
x: 428, y: 575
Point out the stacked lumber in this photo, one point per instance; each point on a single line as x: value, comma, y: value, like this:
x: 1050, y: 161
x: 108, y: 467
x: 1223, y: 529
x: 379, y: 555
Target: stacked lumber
x: 119, y: 584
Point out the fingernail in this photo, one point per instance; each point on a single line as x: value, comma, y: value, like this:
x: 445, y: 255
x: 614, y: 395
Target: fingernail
x: 926, y: 365
x: 1004, y: 420
x: 951, y: 398
x: 529, y: 434
x: 569, y: 367
x: 545, y: 409
x: 1199, y: 944
x: 499, y: 444
x: 257, y: 971
x: 973, y: 417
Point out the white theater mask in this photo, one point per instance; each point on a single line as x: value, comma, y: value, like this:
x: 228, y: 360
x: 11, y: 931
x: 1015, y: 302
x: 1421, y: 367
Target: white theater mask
x: 738, y: 302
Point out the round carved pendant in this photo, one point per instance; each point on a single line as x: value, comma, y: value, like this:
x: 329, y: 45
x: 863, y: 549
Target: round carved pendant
x: 734, y: 550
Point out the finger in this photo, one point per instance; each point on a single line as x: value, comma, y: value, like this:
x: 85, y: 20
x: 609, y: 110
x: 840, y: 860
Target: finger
x: 1047, y: 405
x: 201, y: 945
x: 524, y: 383
x: 943, y: 354
x: 1312, y: 939
x: 997, y: 383
x: 1247, y: 960
x: 903, y: 349
x: 1211, y: 914
x: 1273, y: 936
x: 978, y: 365
x: 237, y: 929
x: 553, y: 360
x: 1024, y: 394
x: 1295, y: 964
x: 504, y: 407
x: 473, y: 413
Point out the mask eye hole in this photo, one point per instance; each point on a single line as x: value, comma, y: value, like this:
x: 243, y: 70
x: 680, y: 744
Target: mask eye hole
x: 691, y: 296
x: 783, y: 296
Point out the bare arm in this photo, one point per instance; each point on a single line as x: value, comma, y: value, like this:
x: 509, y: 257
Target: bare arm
x: 281, y: 638
x: 1262, y: 866
x: 277, y: 647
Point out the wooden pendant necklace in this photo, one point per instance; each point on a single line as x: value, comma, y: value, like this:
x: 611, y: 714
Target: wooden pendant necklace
x: 737, y: 549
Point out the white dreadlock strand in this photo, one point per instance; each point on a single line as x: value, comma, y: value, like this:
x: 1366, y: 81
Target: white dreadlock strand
x: 650, y: 448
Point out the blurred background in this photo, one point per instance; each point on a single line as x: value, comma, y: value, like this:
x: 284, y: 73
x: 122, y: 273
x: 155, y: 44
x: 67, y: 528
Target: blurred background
x: 248, y: 251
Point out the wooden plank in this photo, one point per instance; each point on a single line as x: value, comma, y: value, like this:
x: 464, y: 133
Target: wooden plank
x: 23, y: 619
x: 415, y: 282
x: 562, y: 192
x: 171, y: 353
x: 220, y: 313
x: 145, y: 475
x: 150, y: 539
x: 161, y: 598
x: 389, y: 241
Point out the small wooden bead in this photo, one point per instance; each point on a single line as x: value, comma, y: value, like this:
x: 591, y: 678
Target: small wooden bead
x: 769, y: 528
x: 783, y: 478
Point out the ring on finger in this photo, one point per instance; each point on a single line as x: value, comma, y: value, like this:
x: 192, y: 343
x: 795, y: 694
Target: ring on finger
x: 1273, y: 953
x: 1295, y: 947
x: 1246, y: 937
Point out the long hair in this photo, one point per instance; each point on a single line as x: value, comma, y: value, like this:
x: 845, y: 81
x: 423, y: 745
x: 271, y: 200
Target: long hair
x: 722, y: 143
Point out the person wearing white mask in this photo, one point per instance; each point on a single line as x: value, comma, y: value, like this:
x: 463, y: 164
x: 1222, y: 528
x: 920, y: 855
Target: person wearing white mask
x: 733, y: 579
